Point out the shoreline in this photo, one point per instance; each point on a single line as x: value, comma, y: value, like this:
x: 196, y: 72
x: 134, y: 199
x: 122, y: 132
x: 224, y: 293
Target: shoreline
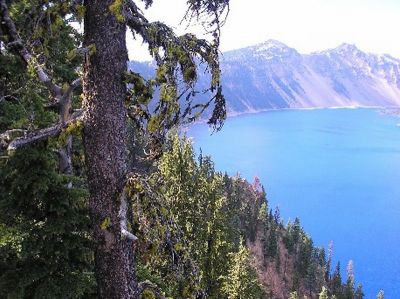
x: 396, y: 109
x: 384, y: 110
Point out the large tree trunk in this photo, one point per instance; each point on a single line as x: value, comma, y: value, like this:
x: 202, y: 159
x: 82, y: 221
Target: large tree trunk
x: 105, y: 147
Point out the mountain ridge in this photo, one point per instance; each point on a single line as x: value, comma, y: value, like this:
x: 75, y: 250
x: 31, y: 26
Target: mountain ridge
x: 272, y: 75
x: 277, y: 76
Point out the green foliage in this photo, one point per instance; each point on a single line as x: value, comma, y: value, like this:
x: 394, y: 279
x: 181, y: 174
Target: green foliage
x: 192, y: 221
x: 293, y: 236
x: 270, y: 240
x: 45, y: 246
x: 207, y: 214
x: 116, y: 10
x: 147, y: 294
x: 210, y: 213
x: 241, y: 281
x: 324, y: 293
x: 336, y: 282
x: 173, y: 87
x: 45, y: 249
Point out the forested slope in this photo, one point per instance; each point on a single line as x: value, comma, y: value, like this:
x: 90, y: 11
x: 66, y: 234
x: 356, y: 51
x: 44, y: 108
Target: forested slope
x: 98, y: 197
x: 201, y: 233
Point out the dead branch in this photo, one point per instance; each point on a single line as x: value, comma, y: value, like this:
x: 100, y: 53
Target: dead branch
x: 35, y: 136
x: 123, y: 211
x: 15, y: 43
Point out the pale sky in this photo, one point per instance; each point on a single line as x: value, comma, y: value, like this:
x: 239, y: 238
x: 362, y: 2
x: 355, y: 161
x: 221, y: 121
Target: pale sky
x: 306, y: 25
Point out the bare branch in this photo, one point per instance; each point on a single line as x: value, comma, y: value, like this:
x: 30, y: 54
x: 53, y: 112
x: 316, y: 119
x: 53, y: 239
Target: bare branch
x: 15, y: 43
x: 8, y: 136
x: 36, y: 136
x: 66, y: 100
x: 65, y: 97
x: 123, y: 211
x: 74, y: 85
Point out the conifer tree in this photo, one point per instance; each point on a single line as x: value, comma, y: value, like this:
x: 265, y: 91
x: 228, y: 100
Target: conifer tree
x: 242, y: 282
x: 45, y: 249
x: 73, y: 215
x: 329, y: 261
x: 349, y: 287
x: 336, y: 282
x: 359, y: 294
x: 107, y: 102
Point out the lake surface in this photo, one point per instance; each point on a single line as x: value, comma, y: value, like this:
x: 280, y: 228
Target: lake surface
x: 338, y: 170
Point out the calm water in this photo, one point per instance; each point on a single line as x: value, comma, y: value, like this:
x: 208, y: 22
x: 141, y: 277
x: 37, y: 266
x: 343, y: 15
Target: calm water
x: 338, y: 170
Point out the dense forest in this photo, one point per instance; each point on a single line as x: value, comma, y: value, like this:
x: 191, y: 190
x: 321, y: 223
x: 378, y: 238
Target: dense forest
x: 200, y: 234
x: 100, y: 196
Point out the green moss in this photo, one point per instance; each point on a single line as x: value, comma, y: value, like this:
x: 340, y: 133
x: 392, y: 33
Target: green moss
x: 106, y: 223
x: 71, y: 54
x: 147, y: 294
x: 58, y: 22
x: 80, y: 11
x: 74, y: 128
x: 153, y: 124
x: 116, y: 10
x: 92, y: 49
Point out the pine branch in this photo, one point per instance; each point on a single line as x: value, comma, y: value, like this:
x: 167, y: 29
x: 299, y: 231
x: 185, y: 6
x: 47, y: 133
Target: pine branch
x: 61, y: 100
x: 148, y: 285
x: 15, y: 43
x: 9, y: 142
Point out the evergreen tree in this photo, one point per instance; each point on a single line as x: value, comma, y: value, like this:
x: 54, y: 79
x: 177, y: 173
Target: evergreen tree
x: 336, y: 282
x: 194, y: 194
x: 182, y: 217
x: 107, y: 102
x: 349, y: 287
x: 329, y: 261
x: 45, y: 249
x: 242, y: 282
x: 359, y: 294
x: 213, y: 210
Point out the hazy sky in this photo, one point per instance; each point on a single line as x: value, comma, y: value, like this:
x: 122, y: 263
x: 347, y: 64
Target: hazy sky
x: 307, y: 25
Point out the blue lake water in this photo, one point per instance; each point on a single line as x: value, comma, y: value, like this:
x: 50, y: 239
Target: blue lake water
x: 338, y: 170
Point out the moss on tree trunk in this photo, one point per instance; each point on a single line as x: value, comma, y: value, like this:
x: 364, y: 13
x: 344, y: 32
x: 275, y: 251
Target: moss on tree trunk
x: 105, y: 147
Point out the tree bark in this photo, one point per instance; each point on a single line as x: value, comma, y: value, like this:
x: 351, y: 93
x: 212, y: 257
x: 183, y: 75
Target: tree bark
x: 105, y: 147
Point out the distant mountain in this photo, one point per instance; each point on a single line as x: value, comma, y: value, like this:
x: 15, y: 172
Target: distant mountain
x: 272, y: 75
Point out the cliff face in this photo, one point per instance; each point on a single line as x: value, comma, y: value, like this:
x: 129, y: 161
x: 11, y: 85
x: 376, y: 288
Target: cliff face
x: 272, y: 75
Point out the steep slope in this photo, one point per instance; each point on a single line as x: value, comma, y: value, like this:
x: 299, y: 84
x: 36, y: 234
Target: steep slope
x: 272, y: 75
x: 214, y: 236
